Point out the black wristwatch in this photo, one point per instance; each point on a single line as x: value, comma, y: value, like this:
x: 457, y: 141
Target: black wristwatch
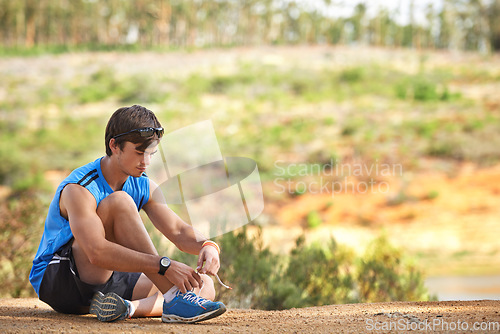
x: 164, y: 264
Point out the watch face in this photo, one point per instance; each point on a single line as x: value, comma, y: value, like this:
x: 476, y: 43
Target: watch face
x: 165, y: 262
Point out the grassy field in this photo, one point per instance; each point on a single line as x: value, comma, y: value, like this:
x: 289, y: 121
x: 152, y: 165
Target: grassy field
x: 295, y: 110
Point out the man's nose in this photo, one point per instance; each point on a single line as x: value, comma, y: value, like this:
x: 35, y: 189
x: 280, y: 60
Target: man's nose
x: 146, y: 159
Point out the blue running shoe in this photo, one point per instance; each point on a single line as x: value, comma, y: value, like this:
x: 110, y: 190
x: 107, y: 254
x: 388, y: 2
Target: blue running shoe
x: 109, y: 307
x: 189, y: 308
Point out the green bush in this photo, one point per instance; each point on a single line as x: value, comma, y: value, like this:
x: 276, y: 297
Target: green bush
x: 99, y: 86
x: 423, y: 89
x: 140, y: 89
x: 322, y: 274
x: 14, y: 164
x: 314, y: 219
x: 246, y: 266
x: 352, y: 126
x: 351, y: 75
x: 311, y: 275
x: 385, y: 275
x: 21, y: 226
x: 220, y: 84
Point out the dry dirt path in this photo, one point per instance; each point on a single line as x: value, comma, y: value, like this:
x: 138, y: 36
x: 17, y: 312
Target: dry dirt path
x: 32, y: 316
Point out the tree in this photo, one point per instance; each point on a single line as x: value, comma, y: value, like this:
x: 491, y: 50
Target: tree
x: 459, y: 24
x: 357, y: 22
x: 445, y: 27
x: 494, y: 24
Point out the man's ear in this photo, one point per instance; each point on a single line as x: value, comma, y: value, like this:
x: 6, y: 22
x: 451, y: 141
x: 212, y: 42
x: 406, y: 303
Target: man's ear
x: 113, y: 146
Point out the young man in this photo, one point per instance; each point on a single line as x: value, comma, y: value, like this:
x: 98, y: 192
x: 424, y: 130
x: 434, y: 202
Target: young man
x: 96, y: 255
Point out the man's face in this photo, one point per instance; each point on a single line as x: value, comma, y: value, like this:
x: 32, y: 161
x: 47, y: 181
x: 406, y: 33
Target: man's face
x: 133, y: 161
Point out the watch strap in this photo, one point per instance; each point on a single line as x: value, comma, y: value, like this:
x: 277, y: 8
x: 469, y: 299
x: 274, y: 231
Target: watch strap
x: 163, y: 268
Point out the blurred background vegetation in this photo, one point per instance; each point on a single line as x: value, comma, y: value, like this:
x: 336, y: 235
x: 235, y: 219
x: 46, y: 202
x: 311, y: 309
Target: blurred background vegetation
x: 75, y: 24
x: 293, y: 81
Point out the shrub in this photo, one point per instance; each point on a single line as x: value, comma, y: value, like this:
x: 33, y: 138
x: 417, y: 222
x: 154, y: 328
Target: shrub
x: 352, y: 126
x: 314, y: 219
x: 220, y: 84
x: 100, y: 85
x: 311, y: 275
x: 385, y: 275
x: 352, y: 75
x: 323, y: 275
x: 423, y: 89
x: 21, y: 226
x: 140, y: 89
x: 247, y: 266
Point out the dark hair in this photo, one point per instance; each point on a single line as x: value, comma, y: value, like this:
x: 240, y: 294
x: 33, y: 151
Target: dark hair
x: 130, y: 118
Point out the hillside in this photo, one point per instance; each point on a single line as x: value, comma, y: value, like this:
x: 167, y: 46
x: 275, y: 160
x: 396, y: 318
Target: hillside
x: 436, y: 115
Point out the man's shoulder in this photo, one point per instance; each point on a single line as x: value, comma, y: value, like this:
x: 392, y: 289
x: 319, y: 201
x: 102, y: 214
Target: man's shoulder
x: 89, y: 167
x: 80, y: 181
x: 75, y: 191
x: 84, y: 174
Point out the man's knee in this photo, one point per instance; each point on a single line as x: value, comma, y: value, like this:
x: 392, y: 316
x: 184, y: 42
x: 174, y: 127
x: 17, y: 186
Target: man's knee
x: 119, y: 196
x: 117, y: 200
x: 116, y: 205
x: 208, y: 290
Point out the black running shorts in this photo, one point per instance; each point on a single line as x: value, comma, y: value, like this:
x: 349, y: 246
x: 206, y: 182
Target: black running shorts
x: 63, y: 290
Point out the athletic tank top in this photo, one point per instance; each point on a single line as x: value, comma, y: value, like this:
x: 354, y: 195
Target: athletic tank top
x: 57, y: 231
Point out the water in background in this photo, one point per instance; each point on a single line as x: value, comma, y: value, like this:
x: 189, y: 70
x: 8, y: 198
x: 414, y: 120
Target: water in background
x: 464, y: 287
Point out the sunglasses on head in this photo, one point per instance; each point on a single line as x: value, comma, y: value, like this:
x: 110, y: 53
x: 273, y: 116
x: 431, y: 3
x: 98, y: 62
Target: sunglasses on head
x: 144, y: 132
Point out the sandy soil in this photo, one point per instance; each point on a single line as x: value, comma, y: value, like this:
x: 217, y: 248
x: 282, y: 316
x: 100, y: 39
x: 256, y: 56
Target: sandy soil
x: 31, y: 315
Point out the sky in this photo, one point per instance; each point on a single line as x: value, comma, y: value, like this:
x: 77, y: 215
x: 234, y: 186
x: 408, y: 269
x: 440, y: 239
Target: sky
x: 399, y: 7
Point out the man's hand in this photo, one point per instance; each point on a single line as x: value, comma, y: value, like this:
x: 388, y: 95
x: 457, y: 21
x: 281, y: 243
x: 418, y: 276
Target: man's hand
x: 208, y: 261
x: 183, y: 276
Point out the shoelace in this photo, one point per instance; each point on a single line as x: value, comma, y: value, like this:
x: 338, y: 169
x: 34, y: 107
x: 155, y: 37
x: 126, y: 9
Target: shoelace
x: 194, y: 298
x: 197, y: 299
x: 220, y: 281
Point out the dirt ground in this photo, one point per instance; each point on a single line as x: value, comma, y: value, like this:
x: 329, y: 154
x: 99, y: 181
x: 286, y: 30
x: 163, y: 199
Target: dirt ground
x: 25, y: 315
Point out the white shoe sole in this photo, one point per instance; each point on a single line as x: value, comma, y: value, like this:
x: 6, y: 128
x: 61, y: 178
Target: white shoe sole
x: 172, y: 318
x: 108, y: 307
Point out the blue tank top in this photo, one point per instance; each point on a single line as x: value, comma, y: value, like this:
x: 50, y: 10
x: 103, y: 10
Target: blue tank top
x: 57, y: 231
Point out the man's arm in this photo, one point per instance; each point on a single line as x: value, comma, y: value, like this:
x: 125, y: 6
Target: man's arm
x: 79, y: 207
x: 183, y: 235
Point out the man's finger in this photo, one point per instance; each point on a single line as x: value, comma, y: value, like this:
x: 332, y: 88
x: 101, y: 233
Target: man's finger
x: 200, y: 262
x: 197, y: 277
x: 189, y: 286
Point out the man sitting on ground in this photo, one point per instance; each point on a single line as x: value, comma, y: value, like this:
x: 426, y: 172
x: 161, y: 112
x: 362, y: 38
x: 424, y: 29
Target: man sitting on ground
x: 96, y: 255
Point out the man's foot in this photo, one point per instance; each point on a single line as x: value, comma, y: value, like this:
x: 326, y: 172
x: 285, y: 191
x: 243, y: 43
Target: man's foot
x: 109, y: 307
x: 190, y: 308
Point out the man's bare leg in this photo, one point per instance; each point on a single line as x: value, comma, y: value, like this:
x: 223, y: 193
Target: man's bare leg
x: 123, y: 225
x: 149, y: 303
